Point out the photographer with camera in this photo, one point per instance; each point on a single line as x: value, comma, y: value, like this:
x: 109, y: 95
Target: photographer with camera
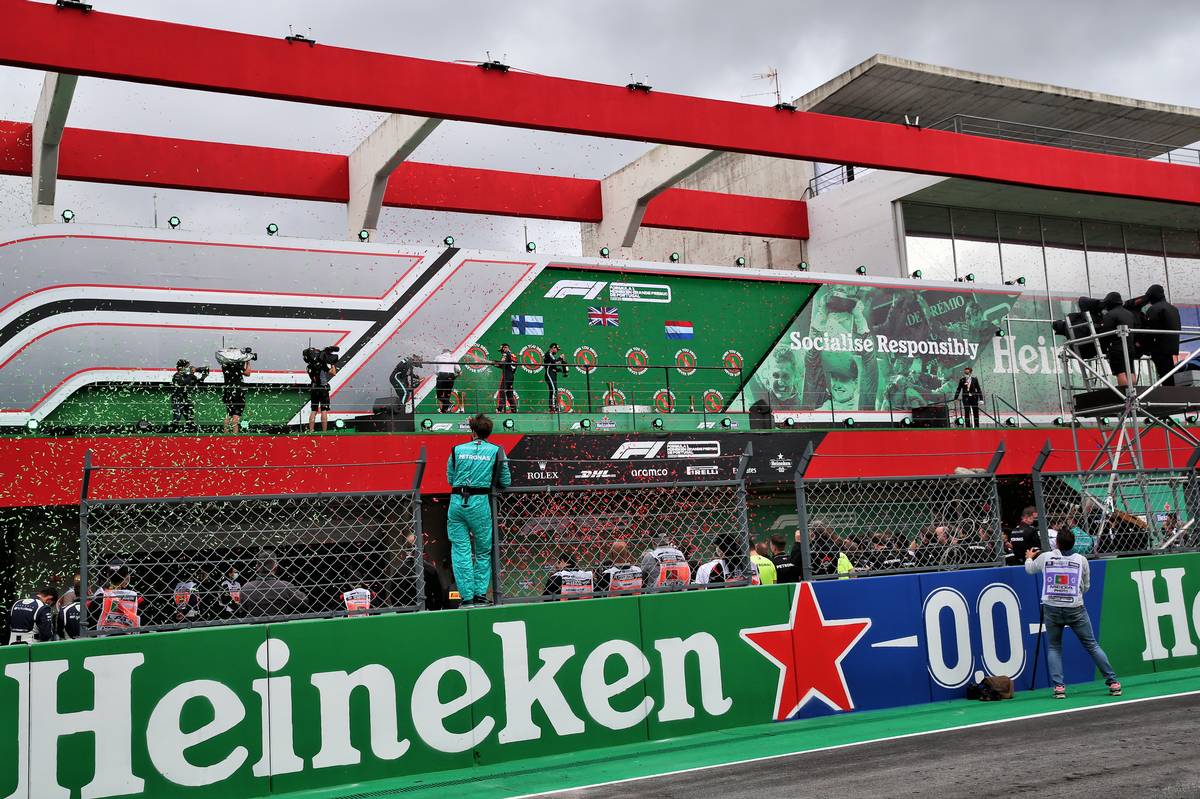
x: 235, y: 366
x: 1121, y: 352
x: 183, y: 384
x: 320, y: 365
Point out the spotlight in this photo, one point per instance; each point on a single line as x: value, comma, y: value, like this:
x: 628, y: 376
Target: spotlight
x: 1020, y: 281
x: 509, y: 424
x: 427, y: 423
x: 1058, y: 421
x: 142, y: 425
x: 906, y: 421
x: 789, y: 422
x: 861, y: 270
x: 32, y: 424
x: 726, y: 422
x: 586, y: 424
x: 364, y: 235
x: 339, y: 424
x: 958, y: 421
x: 531, y: 246
x: 657, y: 424
x: 448, y: 241
x: 68, y: 215
x: 272, y: 229
x: 739, y: 261
x: 1104, y: 421
x: 784, y: 107
x: 970, y: 278
x: 604, y: 252
x: 174, y: 222
x: 917, y: 274
x: 999, y: 332
x: 674, y: 257
x: 244, y: 424
x: 1010, y: 422
x: 848, y: 421
x: 1191, y: 419
x: 802, y: 266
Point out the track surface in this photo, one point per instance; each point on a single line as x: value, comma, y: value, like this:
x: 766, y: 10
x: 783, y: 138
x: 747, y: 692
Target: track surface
x: 1145, y: 750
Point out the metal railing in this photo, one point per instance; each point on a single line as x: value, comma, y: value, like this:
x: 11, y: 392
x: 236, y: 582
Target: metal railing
x: 212, y: 560
x: 1123, y: 511
x: 558, y: 542
x: 888, y: 525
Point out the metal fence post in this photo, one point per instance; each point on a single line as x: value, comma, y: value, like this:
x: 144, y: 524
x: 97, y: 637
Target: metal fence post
x: 998, y: 532
x: 802, y: 513
x: 418, y: 555
x: 1039, y: 495
x: 83, y: 543
x: 744, y: 500
x: 497, y: 596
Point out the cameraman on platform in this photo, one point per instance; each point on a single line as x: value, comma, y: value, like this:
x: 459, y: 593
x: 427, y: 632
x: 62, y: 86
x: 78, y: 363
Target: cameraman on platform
x: 320, y: 365
x: 183, y: 383
x: 235, y: 366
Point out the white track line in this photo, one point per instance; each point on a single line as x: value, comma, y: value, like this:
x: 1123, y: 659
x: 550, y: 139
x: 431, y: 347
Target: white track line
x: 994, y: 722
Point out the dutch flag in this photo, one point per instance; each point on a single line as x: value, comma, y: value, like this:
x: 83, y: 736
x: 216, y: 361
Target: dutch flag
x: 528, y: 325
x: 679, y: 330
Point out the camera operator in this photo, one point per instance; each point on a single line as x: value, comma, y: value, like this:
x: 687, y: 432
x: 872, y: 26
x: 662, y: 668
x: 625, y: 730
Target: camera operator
x: 1117, y: 315
x: 1079, y: 324
x: 321, y: 365
x: 235, y: 366
x: 554, y: 365
x: 1162, y: 347
x: 404, y: 379
x: 1065, y: 579
x: 183, y: 384
x: 506, y: 398
x: 448, y: 371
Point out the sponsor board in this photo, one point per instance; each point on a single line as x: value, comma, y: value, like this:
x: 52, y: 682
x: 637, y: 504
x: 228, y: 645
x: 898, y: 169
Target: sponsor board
x: 585, y: 359
x: 702, y: 471
x: 531, y: 358
x: 314, y: 704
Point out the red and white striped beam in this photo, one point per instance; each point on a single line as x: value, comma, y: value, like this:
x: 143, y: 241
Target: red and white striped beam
x: 41, y: 36
x: 131, y: 159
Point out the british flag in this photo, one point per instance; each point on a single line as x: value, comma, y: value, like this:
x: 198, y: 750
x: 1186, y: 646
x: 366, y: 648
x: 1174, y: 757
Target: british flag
x: 603, y: 317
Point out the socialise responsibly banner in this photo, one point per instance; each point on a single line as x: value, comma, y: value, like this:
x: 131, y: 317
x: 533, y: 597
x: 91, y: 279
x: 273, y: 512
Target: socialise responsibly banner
x: 311, y: 704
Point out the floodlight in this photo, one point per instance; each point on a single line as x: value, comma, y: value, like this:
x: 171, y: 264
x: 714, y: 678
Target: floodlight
x: 739, y: 261
x: 531, y: 246
x: 68, y: 215
x: 674, y: 257
x: 174, y: 222
x: 861, y: 270
x: 272, y: 229
x: 604, y: 252
x: 917, y: 274
x: 364, y: 235
x: 448, y: 241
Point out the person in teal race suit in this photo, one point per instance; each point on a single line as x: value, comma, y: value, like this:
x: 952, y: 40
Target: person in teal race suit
x: 472, y: 470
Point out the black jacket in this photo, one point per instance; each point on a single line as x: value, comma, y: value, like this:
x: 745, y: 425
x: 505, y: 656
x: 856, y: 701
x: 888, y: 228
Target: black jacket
x: 1116, y: 315
x: 972, y: 393
x: 555, y: 365
x: 1161, y: 315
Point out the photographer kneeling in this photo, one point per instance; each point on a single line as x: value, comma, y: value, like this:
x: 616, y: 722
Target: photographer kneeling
x: 1065, y: 579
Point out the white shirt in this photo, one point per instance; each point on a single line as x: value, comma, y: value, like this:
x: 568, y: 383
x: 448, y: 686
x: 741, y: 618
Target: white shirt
x: 1055, y: 563
x: 447, y: 364
x: 704, y: 573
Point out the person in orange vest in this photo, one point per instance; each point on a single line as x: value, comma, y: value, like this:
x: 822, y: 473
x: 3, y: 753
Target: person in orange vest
x: 120, y: 606
x: 357, y: 600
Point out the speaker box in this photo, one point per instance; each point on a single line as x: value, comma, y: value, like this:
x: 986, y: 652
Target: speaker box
x: 931, y: 416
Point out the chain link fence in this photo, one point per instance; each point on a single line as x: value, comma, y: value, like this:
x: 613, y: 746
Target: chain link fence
x: 898, y: 524
x: 166, y: 562
x: 1119, y: 511
x: 579, y: 541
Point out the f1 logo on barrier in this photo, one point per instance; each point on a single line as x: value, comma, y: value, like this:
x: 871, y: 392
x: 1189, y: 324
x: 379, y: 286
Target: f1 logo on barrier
x: 588, y: 289
x: 638, y: 449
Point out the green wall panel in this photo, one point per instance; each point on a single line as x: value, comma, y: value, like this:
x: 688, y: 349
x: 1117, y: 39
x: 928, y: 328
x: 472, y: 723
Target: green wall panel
x: 1139, y: 632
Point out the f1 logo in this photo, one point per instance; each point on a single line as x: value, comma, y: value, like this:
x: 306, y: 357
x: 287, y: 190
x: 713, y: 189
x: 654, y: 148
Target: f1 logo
x: 637, y: 449
x: 588, y: 289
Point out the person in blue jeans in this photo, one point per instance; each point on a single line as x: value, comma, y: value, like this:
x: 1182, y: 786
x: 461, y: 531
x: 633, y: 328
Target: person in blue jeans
x: 472, y: 470
x: 1065, y: 579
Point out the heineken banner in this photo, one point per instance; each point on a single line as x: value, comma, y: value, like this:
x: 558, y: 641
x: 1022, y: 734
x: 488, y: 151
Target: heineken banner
x: 254, y: 710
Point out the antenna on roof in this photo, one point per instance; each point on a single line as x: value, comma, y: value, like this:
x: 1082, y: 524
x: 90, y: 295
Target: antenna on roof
x: 772, y: 74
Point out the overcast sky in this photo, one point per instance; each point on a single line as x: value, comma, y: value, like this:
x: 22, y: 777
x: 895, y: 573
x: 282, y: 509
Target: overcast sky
x: 707, y: 48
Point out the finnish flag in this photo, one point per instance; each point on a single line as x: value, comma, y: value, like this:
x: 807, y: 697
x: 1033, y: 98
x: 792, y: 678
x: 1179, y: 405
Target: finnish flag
x: 528, y: 325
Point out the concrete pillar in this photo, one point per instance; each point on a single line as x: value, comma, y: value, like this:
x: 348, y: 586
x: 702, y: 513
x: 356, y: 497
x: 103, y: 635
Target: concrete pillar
x: 626, y: 193
x: 48, y: 123
x: 374, y: 160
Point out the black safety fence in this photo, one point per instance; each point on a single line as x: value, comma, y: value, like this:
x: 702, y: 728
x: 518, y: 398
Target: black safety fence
x: 167, y: 562
x: 886, y: 525
x: 1121, y: 511
x: 586, y: 540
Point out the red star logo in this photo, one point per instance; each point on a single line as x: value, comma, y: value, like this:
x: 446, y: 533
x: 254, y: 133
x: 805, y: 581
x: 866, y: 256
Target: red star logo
x: 808, y: 651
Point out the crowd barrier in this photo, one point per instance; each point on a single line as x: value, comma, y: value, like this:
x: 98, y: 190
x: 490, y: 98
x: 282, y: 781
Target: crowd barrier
x: 254, y: 710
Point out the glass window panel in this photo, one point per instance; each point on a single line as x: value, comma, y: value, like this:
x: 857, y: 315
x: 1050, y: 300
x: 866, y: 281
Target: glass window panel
x: 976, y: 249
x: 1021, y: 256
x: 1144, y: 253
x: 1066, y: 265
x: 1106, y: 258
x: 1183, y: 271
x: 927, y: 241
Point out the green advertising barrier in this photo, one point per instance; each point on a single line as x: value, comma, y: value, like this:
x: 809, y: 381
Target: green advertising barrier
x: 689, y: 629
x: 168, y: 714
x: 1151, y: 619
x: 14, y: 715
